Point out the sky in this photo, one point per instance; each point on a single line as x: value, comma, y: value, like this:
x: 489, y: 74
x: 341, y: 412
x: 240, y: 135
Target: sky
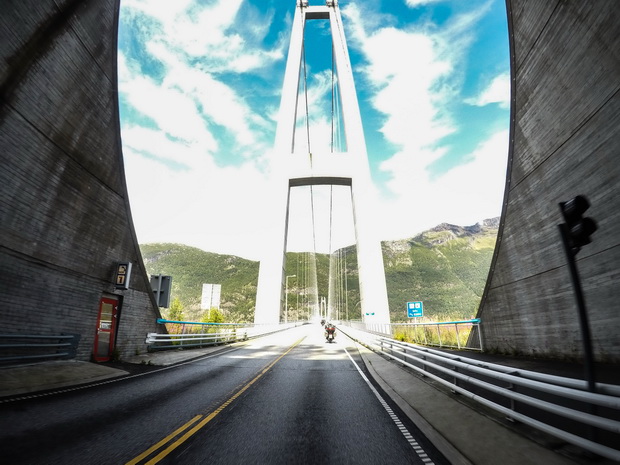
x: 199, y: 91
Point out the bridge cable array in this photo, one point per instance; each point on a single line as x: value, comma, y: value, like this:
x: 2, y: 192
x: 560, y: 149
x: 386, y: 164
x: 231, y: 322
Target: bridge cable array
x: 337, y: 293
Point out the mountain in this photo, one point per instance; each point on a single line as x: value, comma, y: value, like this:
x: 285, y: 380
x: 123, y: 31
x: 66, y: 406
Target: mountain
x: 446, y: 267
x: 191, y: 267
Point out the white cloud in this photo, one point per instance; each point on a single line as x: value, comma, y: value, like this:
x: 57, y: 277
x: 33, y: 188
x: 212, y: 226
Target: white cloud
x: 218, y: 102
x: 497, y: 91
x: 156, y: 145
x: 464, y: 195
x: 215, y: 209
x: 417, y: 3
x: 174, y: 112
x: 409, y: 72
x: 416, y: 77
x: 178, y: 192
x: 191, y: 89
x: 210, y: 32
x: 159, y: 10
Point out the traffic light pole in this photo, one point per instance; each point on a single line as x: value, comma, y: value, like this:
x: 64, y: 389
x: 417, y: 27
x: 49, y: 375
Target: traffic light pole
x: 588, y: 357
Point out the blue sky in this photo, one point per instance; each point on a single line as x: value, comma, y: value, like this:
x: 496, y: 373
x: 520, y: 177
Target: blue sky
x: 199, y: 92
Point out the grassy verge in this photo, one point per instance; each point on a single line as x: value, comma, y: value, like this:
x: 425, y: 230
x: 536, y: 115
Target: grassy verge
x: 445, y: 335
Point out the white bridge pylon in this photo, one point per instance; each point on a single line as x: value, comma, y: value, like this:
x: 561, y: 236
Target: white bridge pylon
x: 349, y: 168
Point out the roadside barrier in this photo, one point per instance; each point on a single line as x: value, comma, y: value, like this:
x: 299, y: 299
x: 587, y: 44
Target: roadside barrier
x: 464, y: 334
x: 157, y: 341
x: 183, y: 335
x: 17, y: 348
x: 559, y: 406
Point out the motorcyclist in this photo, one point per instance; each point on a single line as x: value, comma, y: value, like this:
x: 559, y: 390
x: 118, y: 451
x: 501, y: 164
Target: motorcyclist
x: 330, y: 331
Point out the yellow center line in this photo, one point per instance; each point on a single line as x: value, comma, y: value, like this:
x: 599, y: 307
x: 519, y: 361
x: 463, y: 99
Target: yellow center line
x: 202, y: 423
x: 152, y: 449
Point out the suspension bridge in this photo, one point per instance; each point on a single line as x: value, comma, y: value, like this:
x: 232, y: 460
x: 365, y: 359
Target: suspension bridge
x: 300, y: 161
x: 71, y: 270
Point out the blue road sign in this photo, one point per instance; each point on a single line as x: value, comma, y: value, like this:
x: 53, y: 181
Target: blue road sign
x: 415, y: 309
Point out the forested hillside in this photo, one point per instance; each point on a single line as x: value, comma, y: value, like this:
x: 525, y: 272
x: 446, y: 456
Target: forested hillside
x: 445, y: 267
x: 190, y: 268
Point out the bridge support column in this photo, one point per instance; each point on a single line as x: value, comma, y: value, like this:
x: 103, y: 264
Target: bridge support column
x: 292, y: 169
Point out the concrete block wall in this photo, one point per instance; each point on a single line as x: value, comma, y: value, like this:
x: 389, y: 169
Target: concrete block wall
x: 565, y: 141
x: 65, y: 220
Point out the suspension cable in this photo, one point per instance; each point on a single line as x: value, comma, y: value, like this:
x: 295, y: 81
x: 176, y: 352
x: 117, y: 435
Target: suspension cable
x: 346, y: 286
x: 313, y: 219
x: 331, y: 187
x: 331, y: 215
x: 339, y: 282
x: 303, y: 52
x: 333, y: 103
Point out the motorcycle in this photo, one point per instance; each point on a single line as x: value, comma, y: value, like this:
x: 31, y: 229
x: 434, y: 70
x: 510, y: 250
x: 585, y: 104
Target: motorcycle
x: 330, y: 333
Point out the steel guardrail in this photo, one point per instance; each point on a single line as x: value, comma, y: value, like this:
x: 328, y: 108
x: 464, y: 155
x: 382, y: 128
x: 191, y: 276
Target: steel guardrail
x: 227, y: 333
x: 559, y: 397
x: 27, y: 347
x: 181, y: 341
x: 443, y: 334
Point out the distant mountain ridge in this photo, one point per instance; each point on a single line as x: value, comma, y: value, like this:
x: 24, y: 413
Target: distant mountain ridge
x: 465, y: 230
x: 446, y: 267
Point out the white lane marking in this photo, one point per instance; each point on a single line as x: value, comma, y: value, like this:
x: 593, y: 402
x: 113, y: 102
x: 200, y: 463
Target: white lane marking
x: 403, y: 429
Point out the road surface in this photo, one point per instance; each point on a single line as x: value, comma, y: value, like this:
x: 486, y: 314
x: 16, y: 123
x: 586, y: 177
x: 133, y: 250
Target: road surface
x: 289, y: 398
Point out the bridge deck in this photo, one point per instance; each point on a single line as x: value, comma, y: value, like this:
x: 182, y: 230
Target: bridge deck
x: 457, y: 429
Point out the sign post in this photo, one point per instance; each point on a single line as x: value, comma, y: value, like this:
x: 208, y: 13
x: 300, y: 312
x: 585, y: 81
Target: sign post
x: 415, y: 309
x: 162, y: 285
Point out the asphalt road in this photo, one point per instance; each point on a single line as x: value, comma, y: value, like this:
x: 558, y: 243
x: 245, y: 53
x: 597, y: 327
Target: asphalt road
x: 289, y: 398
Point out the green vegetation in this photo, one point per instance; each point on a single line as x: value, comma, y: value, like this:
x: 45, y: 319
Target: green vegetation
x: 214, y: 316
x: 439, y: 335
x: 445, y: 267
x: 429, y: 335
x: 190, y: 268
x: 175, y: 312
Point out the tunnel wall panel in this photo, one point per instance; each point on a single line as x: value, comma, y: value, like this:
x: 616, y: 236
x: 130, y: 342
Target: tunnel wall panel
x: 556, y: 77
x: 565, y: 138
x: 65, y: 220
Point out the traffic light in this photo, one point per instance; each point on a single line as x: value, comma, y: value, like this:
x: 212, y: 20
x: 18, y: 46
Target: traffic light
x: 578, y: 229
x: 575, y: 233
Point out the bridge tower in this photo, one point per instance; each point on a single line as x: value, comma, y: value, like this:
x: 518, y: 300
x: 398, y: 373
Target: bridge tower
x: 292, y: 168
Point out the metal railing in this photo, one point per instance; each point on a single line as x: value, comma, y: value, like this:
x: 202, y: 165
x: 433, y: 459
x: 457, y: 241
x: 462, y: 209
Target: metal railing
x: 184, y: 341
x: 448, y: 334
x: 16, y: 348
x: 191, y: 335
x: 559, y: 406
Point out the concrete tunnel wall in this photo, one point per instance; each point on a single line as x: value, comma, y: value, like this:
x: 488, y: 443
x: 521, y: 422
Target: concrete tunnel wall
x: 65, y: 220
x: 565, y: 141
